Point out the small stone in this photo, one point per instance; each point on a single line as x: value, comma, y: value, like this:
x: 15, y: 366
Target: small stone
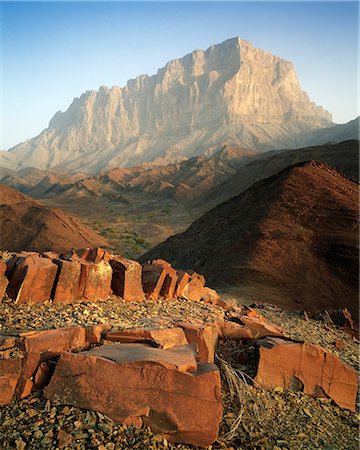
x: 20, y: 444
x: 107, y: 429
x: 38, y: 434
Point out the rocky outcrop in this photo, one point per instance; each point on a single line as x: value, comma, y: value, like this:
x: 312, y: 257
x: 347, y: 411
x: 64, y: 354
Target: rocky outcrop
x: 94, y: 274
x: 308, y: 368
x: 230, y: 93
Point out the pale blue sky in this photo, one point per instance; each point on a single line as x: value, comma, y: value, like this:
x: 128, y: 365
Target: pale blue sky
x: 53, y: 51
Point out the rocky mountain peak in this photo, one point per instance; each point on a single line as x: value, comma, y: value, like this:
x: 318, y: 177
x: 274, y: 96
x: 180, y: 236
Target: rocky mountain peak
x: 229, y: 91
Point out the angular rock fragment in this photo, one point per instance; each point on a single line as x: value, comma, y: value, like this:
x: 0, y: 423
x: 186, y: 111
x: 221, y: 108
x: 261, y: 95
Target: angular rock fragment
x: 94, y: 255
x: 95, y: 281
x: 259, y: 327
x: 153, y: 278
x: 164, y: 338
x: 310, y: 368
x: 94, y: 334
x: 66, y: 289
x: 233, y: 330
x: 10, y: 371
x: 182, y: 281
x: 169, y: 284
x: 205, y: 337
x: 44, y: 346
x: 32, y: 279
x: 183, y: 406
x: 210, y: 296
x: 195, y: 288
x: 127, y: 279
x: 3, y: 280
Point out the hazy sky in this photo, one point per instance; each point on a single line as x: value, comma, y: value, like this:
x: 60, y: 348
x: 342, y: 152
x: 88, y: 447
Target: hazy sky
x: 55, y: 51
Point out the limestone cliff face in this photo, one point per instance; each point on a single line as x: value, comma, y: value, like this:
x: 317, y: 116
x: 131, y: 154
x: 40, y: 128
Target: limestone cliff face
x: 230, y: 93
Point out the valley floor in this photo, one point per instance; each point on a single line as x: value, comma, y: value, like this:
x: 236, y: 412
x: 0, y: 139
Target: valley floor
x: 130, y: 229
x: 268, y: 420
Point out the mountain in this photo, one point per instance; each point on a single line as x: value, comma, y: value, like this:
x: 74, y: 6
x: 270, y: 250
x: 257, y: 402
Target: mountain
x: 232, y: 93
x: 180, y: 181
x: 344, y: 157
x: 29, y: 225
x: 291, y: 239
x: 335, y: 133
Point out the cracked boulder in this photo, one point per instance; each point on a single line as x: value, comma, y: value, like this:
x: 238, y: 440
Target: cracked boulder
x: 135, y: 383
x: 32, y: 279
x: 306, y: 367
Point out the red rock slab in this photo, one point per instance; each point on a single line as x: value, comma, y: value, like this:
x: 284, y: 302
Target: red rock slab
x: 288, y: 364
x: 210, y: 296
x: 68, y: 281
x: 153, y: 278
x: 8, y: 342
x: 94, y: 334
x: 184, y: 407
x: 3, y: 280
x: 194, y: 289
x: 164, y: 338
x: 181, y: 357
x: 94, y: 255
x: 233, y: 330
x: 47, y: 345
x: 95, y: 281
x: 169, y: 284
x: 204, y: 336
x: 182, y: 281
x: 10, y: 371
x: 32, y: 280
x: 127, y: 279
x: 168, y: 288
x: 259, y: 327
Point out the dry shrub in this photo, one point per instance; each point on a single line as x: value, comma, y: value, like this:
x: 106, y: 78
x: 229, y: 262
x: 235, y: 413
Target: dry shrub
x: 246, y: 396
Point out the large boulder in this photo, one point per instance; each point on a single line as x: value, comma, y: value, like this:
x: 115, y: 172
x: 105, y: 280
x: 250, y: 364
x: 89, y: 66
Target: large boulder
x: 127, y: 279
x: 153, y: 278
x: 306, y: 367
x: 194, y: 289
x: 32, y: 279
x: 95, y: 281
x: 182, y: 280
x: 169, y: 284
x: 134, y: 383
x: 67, y: 286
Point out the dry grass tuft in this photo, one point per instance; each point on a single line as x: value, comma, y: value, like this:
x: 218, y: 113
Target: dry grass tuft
x: 244, y: 395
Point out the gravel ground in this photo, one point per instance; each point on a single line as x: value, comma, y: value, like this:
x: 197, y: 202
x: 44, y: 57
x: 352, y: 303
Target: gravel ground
x: 274, y: 420
x: 116, y: 312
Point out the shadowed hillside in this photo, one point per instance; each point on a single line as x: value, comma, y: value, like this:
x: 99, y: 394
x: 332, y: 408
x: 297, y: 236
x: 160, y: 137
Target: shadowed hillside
x: 291, y: 239
x: 29, y: 225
